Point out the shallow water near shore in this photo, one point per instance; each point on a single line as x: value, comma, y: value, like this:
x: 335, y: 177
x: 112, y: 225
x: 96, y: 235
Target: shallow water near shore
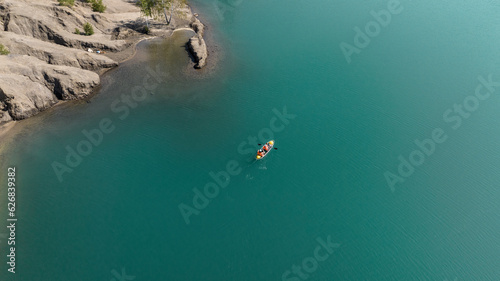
x: 116, y: 214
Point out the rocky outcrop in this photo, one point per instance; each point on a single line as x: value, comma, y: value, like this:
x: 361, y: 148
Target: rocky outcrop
x: 33, y: 98
x: 4, y: 115
x: 121, y: 33
x: 49, y: 62
x: 29, y: 85
x: 197, y: 26
x: 57, y: 24
x: 198, y: 49
x: 196, y: 44
x: 55, y: 54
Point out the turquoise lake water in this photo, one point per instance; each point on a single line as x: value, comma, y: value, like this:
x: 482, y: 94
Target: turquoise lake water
x: 116, y: 215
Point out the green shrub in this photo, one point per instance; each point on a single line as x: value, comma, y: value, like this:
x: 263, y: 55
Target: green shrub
x: 145, y: 30
x: 4, y: 50
x: 77, y: 31
x: 98, y: 6
x: 67, y: 3
x: 89, y: 30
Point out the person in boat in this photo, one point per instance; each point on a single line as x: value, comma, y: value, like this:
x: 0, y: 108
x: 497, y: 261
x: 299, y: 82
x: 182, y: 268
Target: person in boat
x: 266, y: 147
x: 260, y: 153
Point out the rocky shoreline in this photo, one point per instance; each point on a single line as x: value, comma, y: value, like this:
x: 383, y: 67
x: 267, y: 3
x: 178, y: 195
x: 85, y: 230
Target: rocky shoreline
x: 196, y: 45
x: 49, y: 63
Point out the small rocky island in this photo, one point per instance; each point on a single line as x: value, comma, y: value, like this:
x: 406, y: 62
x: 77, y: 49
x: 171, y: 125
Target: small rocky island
x: 51, y: 54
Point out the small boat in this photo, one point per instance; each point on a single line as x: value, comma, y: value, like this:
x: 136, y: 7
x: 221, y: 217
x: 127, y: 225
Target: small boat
x: 261, y: 153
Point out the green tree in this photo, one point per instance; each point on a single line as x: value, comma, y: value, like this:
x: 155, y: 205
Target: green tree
x: 89, y: 30
x: 155, y: 8
x: 77, y: 31
x: 147, y: 7
x: 4, y: 50
x: 98, y: 6
x: 67, y: 3
x: 170, y: 5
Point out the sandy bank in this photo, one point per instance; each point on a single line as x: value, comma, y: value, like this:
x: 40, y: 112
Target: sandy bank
x: 4, y: 128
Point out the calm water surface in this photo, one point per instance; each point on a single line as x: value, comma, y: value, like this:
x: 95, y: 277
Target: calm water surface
x: 116, y: 214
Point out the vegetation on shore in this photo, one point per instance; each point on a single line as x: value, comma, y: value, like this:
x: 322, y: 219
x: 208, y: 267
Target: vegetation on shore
x: 158, y: 8
x: 89, y: 30
x: 4, y: 50
x: 67, y: 3
x: 98, y: 6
